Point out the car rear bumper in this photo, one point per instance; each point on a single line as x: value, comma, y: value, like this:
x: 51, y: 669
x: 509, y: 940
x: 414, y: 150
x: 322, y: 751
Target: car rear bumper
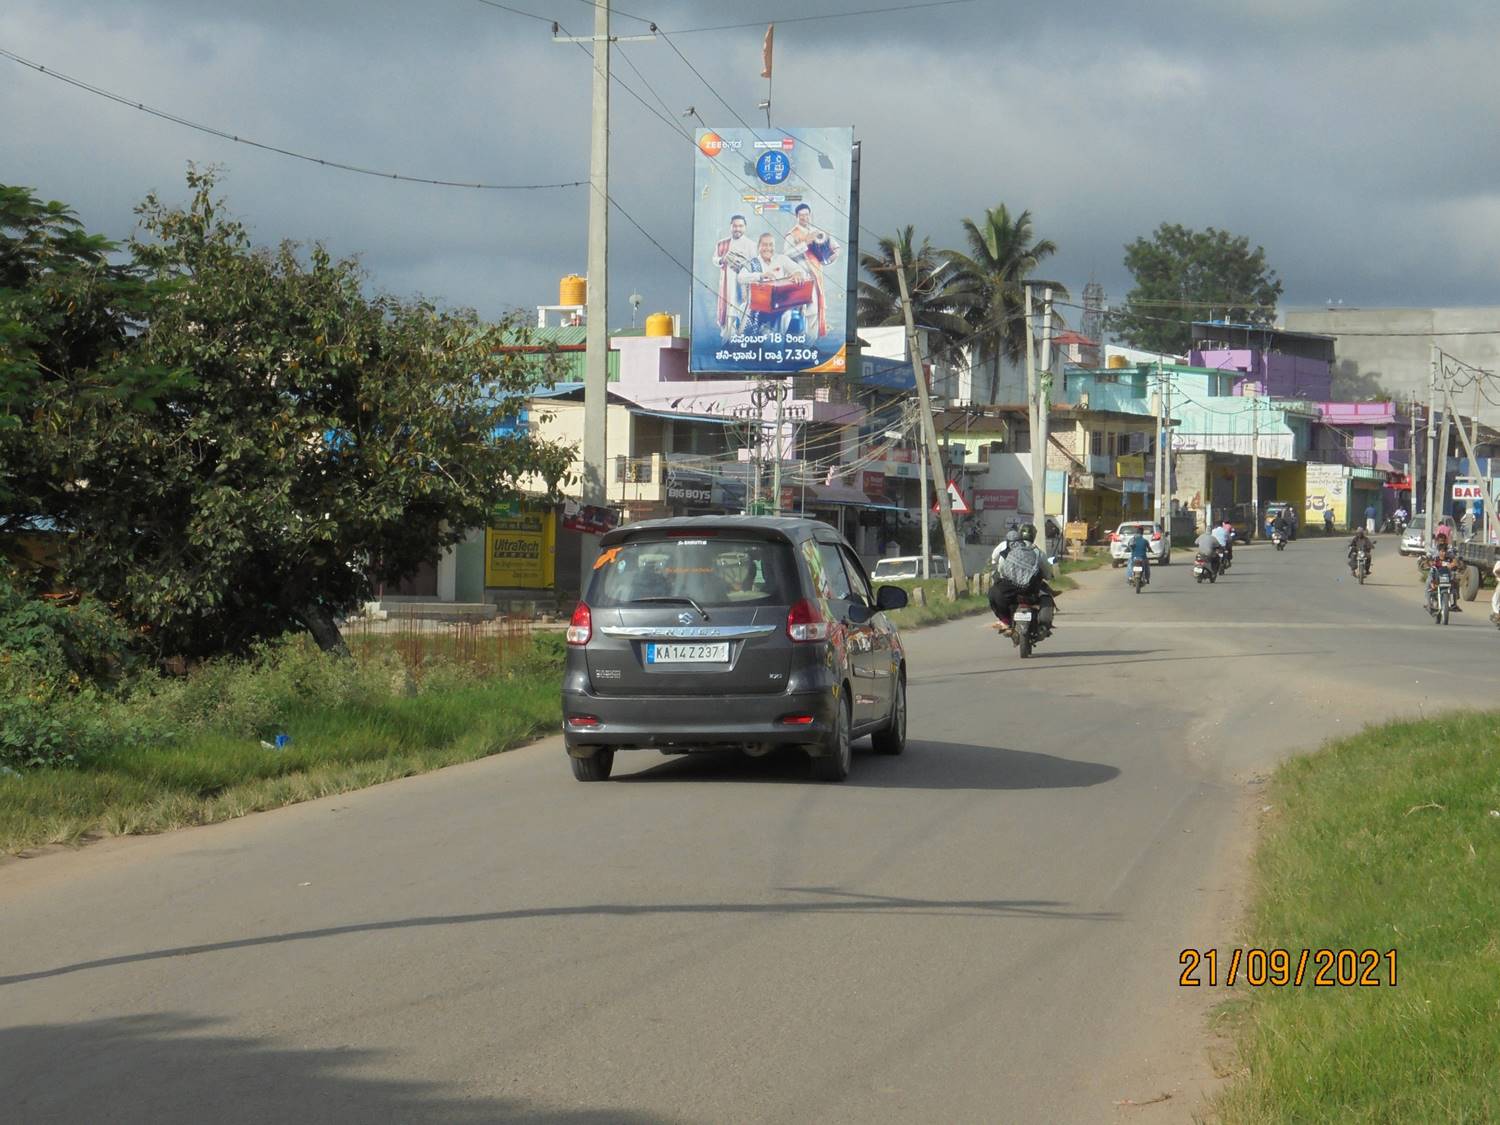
x: 694, y: 722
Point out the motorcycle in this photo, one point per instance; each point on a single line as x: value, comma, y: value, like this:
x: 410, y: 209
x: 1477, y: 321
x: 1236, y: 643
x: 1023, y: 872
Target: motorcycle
x: 1440, y: 594
x: 1136, y: 576
x: 1362, y: 564
x: 1278, y: 540
x: 1031, y: 624
x: 1204, y: 567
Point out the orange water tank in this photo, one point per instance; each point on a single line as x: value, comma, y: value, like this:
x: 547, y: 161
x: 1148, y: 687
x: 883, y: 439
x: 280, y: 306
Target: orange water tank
x: 659, y: 324
x: 1117, y: 361
x: 573, y: 290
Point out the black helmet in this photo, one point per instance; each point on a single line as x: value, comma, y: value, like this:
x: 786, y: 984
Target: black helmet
x: 1028, y: 532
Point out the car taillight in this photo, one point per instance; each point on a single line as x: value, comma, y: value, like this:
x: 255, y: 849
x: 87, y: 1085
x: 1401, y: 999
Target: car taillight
x: 1156, y: 537
x: 1114, y: 537
x: 581, y: 628
x: 804, y: 622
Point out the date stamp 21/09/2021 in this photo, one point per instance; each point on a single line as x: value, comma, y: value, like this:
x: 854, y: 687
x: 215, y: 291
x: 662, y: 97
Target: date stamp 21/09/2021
x: 1280, y: 968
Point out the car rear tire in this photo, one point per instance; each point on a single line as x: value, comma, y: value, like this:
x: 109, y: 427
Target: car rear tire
x: 838, y: 755
x: 596, y: 767
x: 891, y: 739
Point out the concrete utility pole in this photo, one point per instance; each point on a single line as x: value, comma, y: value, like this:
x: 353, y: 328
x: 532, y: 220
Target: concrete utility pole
x: 1468, y: 442
x: 1166, y: 484
x: 1254, y: 466
x: 1440, y: 505
x: 922, y: 503
x: 1411, y: 472
x: 1038, y: 478
x: 596, y: 354
x: 929, y: 432
x: 1156, y: 501
x: 1044, y: 410
x: 1432, y: 375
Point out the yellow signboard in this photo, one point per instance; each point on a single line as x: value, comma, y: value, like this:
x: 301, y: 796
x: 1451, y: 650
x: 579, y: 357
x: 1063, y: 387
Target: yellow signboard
x: 520, y: 551
x: 1132, y: 465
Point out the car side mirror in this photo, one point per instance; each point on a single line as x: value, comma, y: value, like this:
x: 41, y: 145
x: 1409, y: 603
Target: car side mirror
x: 890, y: 597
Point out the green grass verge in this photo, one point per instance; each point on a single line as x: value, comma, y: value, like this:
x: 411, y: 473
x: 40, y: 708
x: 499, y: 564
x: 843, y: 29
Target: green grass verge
x: 1386, y: 840
x: 939, y: 607
x: 207, y: 775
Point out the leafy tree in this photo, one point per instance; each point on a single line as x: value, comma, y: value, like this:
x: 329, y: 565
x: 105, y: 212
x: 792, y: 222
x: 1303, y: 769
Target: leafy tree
x: 927, y: 278
x: 67, y: 315
x: 1183, y: 275
x: 312, y: 439
x: 1350, y: 384
x: 990, y: 281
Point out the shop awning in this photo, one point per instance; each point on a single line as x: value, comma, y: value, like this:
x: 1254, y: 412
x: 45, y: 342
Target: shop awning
x: 837, y: 494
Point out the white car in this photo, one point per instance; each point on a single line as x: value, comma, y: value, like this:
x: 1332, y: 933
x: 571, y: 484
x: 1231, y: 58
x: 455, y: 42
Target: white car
x: 904, y: 567
x: 1158, y: 546
x: 1414, y: 541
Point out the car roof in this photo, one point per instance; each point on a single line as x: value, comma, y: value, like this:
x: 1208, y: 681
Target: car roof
x: 909, y: 559
x: 790, y: 528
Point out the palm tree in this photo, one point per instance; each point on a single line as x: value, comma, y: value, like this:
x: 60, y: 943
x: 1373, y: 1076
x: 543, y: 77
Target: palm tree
x: 927, y: 277
x: 988, y: 282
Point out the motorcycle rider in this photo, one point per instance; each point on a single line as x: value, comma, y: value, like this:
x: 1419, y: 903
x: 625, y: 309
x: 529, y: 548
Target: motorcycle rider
x: 1279, y: 525
x: 1224, y: 533
x: 1208, y: 547
x: 1012, y: 537
x: 1495, y: 597
x: 1140, y: 556
x: 1440, y: 554
x: 1361, y: 540
x: 1022, y: 571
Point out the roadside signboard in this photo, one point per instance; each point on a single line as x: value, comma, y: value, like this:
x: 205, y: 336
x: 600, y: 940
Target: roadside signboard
x: 956, y: 500
x: 772, y: 237
x: 588, y: 518
x: 520, y: 551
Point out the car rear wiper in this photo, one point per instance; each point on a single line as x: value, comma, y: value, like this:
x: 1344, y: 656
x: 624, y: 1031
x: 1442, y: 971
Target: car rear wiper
x: 673, y: 601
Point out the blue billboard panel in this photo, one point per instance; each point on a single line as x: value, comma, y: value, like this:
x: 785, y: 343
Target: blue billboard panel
x: 771, y: 234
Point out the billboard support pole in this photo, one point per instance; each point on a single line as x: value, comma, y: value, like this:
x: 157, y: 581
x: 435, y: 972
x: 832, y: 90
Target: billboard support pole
x: 929, y: 432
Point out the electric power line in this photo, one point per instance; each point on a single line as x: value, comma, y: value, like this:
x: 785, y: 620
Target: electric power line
x: 224, y: 134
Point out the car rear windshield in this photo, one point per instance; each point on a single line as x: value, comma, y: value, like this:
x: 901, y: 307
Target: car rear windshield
x: 711, y: 571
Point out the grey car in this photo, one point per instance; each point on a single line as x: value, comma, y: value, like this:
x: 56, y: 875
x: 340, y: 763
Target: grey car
x: 731, y: 632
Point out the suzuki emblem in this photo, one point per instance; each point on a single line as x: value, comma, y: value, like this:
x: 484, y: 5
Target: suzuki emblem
x: 685, y: 618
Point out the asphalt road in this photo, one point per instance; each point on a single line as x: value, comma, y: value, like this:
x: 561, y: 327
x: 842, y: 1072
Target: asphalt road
x: 984, y: 929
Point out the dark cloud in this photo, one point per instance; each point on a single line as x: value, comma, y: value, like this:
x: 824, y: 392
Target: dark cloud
x: 1353, y: 140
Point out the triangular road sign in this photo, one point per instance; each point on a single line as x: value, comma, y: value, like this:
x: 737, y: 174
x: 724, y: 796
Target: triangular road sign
x: 956, y: 500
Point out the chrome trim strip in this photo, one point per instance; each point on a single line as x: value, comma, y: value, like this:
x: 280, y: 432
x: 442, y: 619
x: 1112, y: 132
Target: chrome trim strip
x: 689, y: 632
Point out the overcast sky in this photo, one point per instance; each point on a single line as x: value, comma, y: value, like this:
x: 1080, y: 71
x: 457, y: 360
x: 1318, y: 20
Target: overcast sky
x: 1355, y: 140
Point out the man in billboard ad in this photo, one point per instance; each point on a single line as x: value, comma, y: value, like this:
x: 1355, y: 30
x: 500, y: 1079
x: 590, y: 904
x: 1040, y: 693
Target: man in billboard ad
x: 731, y: 255
x: 771, y: 215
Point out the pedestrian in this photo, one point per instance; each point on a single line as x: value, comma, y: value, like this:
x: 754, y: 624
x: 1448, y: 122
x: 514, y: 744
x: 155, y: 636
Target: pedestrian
x: 1327, y: 521
x: 1370, y: 517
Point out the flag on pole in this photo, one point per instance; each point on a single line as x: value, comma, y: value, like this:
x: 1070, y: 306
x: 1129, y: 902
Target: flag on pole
x: 765, y: 51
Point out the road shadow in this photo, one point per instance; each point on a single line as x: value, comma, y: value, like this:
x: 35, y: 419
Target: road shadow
x: 828, y: 900
x: 1038, y: 666
x: 925, y: 765
x: 164, y: 1069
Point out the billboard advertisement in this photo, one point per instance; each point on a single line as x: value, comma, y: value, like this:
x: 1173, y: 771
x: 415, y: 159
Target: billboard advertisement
x: 520, y: 550
x: 772, y: 244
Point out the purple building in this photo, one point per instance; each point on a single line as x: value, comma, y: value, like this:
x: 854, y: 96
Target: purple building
x: 1367, y: 435
x: 1266, y: 360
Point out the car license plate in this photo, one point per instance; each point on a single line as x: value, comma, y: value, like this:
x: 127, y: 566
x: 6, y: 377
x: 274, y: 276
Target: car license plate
x: 1022, y: 615
x: 688, y: 654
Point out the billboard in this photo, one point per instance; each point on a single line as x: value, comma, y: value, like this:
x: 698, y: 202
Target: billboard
x: 772, y: 247
x: 520, y: 550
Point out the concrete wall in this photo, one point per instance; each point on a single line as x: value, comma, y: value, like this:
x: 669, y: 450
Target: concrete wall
x: 1395, y: 344
x: 1272, y: 373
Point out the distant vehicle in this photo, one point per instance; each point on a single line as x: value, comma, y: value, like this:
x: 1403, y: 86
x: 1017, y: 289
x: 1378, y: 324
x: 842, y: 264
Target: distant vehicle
x: 1414, y: 542
x: 1281, y: 508
x: 1158, y: 545
x: 731, y: 632
x: 902, y: 568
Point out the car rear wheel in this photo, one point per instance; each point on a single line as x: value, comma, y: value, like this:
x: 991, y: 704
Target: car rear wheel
x: 837, y: 753
x: 892, y: 739
x: 596, y: 767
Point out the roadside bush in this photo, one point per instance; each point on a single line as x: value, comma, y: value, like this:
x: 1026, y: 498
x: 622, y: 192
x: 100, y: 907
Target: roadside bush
x: 57, y: 663
x: 251, y: 698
